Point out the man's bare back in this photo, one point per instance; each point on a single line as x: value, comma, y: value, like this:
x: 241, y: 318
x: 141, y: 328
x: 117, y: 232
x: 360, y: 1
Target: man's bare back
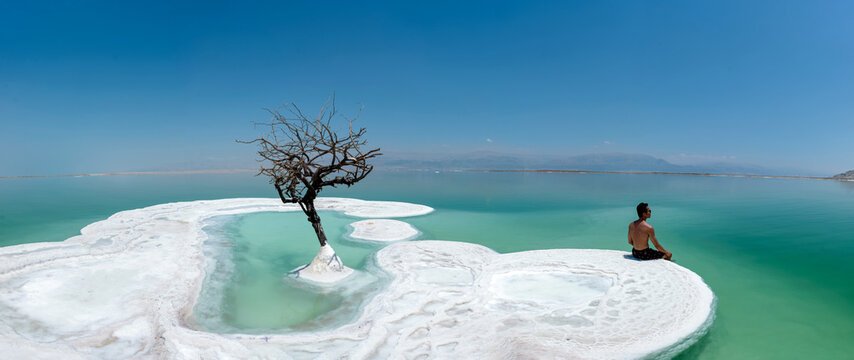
x: 640, y: 232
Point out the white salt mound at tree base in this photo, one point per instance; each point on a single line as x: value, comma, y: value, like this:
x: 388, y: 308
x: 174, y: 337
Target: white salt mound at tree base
x: 125, y: 287
x: 325, y: 269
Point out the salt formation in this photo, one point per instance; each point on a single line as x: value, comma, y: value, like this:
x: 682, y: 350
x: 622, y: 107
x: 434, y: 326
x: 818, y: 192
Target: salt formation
x: 463, y: 298
x: 326, y: 268
x: 125, y: 287
x: 382, y: 230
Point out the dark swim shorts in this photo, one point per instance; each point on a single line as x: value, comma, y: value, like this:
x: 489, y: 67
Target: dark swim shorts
x: 647, y: 254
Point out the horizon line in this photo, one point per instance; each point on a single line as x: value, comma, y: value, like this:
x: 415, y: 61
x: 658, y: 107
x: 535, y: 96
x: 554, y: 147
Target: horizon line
x: 229, y: 171
x: 669, y: 173
x: 175, y: 172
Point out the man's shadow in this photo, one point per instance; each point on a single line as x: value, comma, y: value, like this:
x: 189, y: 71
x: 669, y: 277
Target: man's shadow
x: 630, y: 257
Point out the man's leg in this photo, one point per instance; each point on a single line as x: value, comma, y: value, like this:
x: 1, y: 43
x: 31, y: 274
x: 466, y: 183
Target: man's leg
x: 647, y: 254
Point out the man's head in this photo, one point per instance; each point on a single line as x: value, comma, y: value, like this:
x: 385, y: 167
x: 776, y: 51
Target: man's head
x: 643, y: 211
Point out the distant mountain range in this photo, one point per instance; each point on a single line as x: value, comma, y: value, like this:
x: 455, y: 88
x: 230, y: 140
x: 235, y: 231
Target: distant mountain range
x: 588, y: 162
x: 848, y: 175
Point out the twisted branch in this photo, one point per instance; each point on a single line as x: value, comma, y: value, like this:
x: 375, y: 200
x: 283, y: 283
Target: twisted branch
x: 302, y: 155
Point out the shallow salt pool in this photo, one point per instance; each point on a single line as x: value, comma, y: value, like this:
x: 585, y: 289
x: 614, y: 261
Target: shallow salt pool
x: 564, y: 288
x: 245, y: 290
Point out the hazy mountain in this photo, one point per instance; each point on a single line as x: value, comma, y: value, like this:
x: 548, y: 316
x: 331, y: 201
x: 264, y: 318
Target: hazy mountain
x: 848, y: 175
x: 592, y: 162
x: 614, y: 162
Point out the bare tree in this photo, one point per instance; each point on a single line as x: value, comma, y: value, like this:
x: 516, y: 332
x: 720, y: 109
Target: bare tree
x: 303, y: 155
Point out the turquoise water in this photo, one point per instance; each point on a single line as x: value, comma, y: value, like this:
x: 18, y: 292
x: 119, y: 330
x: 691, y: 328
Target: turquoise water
x: 776, y: 252
x: 246, y: 292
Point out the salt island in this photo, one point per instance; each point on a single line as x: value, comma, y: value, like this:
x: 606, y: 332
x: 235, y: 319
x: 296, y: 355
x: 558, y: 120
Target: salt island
x: 126, y: 287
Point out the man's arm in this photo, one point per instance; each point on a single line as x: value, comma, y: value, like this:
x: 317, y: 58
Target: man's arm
x: 655, y: 242
x: 632, y: 243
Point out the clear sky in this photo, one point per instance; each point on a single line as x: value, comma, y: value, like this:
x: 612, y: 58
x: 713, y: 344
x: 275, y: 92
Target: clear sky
x: 122, y: 86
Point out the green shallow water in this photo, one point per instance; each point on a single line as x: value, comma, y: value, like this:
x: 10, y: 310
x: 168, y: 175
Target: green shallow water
x: 247, y: 293
x: 776, y: 252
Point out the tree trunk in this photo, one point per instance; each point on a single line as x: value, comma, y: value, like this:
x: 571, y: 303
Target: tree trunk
x: 314, y: 219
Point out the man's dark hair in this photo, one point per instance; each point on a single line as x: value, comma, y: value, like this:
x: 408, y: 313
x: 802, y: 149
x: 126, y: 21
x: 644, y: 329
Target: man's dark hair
x: 642, y: 208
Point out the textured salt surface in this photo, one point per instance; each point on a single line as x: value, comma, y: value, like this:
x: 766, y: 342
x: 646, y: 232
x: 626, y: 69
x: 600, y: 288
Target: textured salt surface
x: 125, y: 287
x: 540, y: 304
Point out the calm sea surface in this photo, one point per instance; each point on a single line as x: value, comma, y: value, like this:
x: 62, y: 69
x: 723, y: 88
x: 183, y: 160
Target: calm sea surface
x: 777, y: 252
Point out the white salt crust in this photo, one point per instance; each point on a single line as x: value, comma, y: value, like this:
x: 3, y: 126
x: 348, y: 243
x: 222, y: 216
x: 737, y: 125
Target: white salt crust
x: 382, y: 230
x: 125, y: 287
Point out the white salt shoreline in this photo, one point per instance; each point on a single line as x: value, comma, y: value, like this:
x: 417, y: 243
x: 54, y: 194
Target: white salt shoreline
x: 127, y: 285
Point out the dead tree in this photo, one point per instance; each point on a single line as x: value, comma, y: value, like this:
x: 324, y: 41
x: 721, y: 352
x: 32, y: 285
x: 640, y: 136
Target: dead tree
x: 303, y: 155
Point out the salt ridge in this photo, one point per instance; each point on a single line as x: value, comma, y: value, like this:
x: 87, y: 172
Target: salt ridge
x: 126, y: 286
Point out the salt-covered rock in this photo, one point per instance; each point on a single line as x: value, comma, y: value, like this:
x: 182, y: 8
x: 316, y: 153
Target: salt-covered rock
x: 382, y: 230
x: 471, y: 302
x: 125, y: 287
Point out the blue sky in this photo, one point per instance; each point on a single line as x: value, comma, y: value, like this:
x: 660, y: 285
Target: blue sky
x: 120, y: 86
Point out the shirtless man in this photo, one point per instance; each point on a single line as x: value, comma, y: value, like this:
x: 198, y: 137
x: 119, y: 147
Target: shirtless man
x: 639, y: 234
